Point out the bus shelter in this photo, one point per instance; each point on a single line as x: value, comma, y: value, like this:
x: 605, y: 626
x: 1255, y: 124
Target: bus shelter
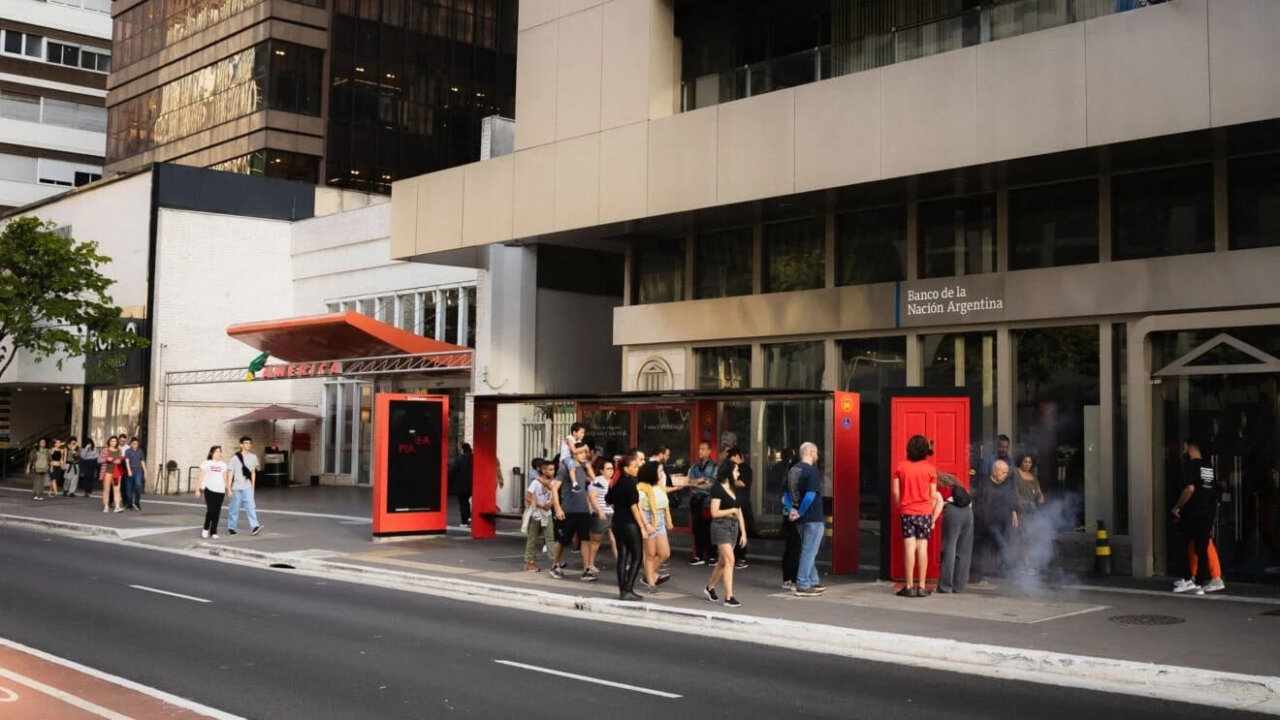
x: 768, y: 425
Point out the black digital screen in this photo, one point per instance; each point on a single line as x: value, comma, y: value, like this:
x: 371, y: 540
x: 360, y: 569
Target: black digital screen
x: 415, y: 439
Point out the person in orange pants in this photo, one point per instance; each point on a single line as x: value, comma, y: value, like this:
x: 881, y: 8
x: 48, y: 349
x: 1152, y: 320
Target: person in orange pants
x: 1215, y: 568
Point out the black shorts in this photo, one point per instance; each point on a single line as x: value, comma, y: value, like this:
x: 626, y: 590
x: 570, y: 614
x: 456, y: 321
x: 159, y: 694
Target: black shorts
x: 573, y: 523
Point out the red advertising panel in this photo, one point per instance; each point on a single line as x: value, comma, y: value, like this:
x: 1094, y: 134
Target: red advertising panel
x: 484, y: 489
x: 410, y: 434
x: 846, y: 492
x: 945, y: 422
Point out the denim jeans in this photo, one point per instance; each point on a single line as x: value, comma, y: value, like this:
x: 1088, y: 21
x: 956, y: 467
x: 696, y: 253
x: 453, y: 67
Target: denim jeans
x: 133, y: 489
x: 810, y: 539
x: 250, y: 508
x: 998, y: 537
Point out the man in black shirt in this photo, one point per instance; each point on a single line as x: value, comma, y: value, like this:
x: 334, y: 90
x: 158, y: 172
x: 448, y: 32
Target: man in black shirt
x: 1195, y: 510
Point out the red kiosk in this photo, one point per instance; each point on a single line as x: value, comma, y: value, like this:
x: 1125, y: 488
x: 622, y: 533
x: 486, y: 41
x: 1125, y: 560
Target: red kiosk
x: 410, y: 433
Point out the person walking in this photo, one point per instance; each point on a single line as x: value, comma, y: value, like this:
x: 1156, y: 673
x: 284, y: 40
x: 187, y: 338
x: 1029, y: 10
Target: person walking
x: 728, y: 530
x: 57, y: 466
x: 915, y: 495
x: 601, y: 517
x: 742, y: 487
x: 135, y: 474
x: 655, y: 506
x: 803, y: 503
x: 1195, y: 510
x: 957, y: 535
x: 570, y: 493
x: 213, y: 486
x: 1030, y: 498
x: 629, y: 524
x: 538, y: 529
x: 89, y: 465
x: 112, y: 471
x: 243, y: 467
x: 71, y: 468
x: 460, y: 472
x: 702, y: 475
x: 37, y: 468
x: 996, y: 513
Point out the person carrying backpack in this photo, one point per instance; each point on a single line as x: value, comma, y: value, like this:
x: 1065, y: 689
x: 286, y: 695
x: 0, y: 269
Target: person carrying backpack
x: 38, y: 468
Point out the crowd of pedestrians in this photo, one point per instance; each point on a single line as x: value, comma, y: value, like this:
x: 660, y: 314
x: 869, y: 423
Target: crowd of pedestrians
x: 62, y: 468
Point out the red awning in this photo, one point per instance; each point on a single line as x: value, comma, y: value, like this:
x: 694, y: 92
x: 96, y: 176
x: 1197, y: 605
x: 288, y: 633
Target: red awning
x: 340, y: 336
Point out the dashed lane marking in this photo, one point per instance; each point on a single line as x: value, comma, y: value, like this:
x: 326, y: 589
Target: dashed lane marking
x: 594, y: 681
x: 158, y: 591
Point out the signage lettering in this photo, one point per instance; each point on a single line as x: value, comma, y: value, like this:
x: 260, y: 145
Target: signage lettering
x: 949, y: 300
x: 298, y: 370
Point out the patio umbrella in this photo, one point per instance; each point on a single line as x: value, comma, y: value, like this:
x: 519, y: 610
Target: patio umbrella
x: 274, y: 413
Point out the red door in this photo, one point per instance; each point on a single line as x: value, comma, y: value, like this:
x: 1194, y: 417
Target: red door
x: 945, y: 421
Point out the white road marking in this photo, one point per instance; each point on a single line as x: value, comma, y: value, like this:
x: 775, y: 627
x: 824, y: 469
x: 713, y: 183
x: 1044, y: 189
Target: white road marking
x: 65, y: 697
x: 1084, y: 611
x: 353, y: 519
x: 127, y: 684
x: 596, y: 681
x: 7, y: 695
x: 171, y: 594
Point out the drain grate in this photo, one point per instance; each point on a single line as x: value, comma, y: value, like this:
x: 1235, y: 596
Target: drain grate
x: 1147, y: 620
x: 281, y: 566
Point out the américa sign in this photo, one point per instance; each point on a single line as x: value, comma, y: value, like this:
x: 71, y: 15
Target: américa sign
x: 300, y: 370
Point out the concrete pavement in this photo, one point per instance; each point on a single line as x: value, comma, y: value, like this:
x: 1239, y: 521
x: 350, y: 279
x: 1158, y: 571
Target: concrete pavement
x: 278, y: 644
x: 1224, y: 633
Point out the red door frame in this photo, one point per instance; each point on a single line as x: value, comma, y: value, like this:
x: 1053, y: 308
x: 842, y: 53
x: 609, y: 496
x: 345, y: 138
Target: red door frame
x: 484, y: 491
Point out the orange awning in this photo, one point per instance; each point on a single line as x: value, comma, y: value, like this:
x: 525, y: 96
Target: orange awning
x: 340, y: 336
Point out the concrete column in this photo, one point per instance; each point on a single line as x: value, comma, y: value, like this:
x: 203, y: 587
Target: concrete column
x: 1140, y: 453
x: 913, y: 244
x: 1002, y: 230
x: 829, y: 252
x: 1106, y: 426
x: 1221, y: 207
x: 1005, y: 396
x: 1104, y: 218
x: 757, y: 258
x: 915, y: 361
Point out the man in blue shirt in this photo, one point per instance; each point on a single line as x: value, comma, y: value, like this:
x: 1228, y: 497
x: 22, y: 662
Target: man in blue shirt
x: 1000, y: 453
x: 802, y: 500
x: 135, y: 475
x: 702, y: 475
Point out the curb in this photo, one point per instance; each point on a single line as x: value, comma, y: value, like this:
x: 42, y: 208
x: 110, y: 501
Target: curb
x: 1213, y: 688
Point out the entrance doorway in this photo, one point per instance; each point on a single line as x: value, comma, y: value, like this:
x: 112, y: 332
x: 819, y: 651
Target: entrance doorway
x: 1222, y: 389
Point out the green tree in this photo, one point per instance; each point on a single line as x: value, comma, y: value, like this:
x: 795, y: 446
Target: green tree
x: 53, y: 297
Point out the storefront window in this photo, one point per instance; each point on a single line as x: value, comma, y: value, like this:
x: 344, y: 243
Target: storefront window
x: 1056, y: 383
x: 722, y: 264
x: 787, y: 425
x: 1255, y: 202
x: 450, y: 316
x: 793, y: 255
x: 957, y: 236
x: 870, y: 364
x: 115, y: 411
x: 658, y: 272
x: 723, y: 368
x: 671, y: 427
x: 966, y: 360
x: 1053, y: 225
x: 794, y: 366
x: 609, y: 429
x: 1164, y: 212
x: 871, y: 246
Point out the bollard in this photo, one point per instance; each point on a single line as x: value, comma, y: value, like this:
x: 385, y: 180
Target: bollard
x: 1102, y: 553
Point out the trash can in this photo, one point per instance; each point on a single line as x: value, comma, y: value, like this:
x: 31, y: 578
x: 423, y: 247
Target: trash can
x: 275, y: 469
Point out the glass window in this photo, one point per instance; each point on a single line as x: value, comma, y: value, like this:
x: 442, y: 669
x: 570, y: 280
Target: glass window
x: 1255, y: 202
x: 295, y: 78
x: 35, y: 44
x: 957, y: 236
x: 793, y: 255
x: 1053, y: 225
x: 788, y: 424
x: 450, y: 316
x: 868, y: 364
x: 1164, y: 212
x: 723, y: 368
x: 472, y: 319
x: 13, y: 42
x: 56, y: 172
x: 722, y: 263
x: 20, y: 106
x: 1056, y: 386
x: 62, y: 54
x: 871, y: 246
x: 966, y: 360
x: 658, y: 272
x: 427, y: 326
x: 794, y: 366
x: 84, y: 178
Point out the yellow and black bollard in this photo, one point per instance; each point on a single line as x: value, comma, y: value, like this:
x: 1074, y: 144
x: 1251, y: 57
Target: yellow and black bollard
x: 1102, y: 553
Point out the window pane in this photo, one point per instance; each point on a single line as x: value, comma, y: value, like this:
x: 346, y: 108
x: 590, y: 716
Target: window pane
x: 957, y: 237
x: 1053, y: 225
x: 722, y: 368
x: 1255, y: 202
x: 450, y: 317
x: 966, y: 360
x: 871, y: 246
x: 873, y: 363
x: 793, y: 255
x: 12, y: 42
x: 722, y: 264
x: 658, y: 274
x: 794, y: 366
x: 1166, y: 212
x: 35, y: 44
x: 18, y: 106
x: 472, y: 320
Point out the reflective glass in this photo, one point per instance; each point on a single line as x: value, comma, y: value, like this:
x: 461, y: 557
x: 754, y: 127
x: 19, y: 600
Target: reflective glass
x: 957, y: 236
x: 1255, y: 202
x: 658, y: 272
x: 722, y: 263
x: 1164, y: 212
x: 793, y: 255
x: 871, y: 246
x: 794, y: 366
x: 722, y: 368
x: 1053, y: 225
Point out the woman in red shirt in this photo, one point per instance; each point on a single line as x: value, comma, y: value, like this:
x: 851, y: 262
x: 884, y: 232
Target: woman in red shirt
x: 112, y: 471
x: 915, y: 493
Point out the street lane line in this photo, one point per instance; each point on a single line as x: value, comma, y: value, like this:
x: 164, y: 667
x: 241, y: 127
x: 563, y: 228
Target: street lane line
x: 65, y: 697
x: 606, y: 683
x: 171, y: 594
x: 7, y: 695
x: 151, y: 692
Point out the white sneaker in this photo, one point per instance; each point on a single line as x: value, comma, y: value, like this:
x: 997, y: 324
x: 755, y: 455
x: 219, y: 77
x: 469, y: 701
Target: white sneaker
x: 204, y: 534
x: 215, y: 537
x: 1215, y: 585
x: 1183, y: 586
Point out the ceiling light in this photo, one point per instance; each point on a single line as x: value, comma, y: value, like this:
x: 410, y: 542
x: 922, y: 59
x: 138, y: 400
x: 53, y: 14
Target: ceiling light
x: 359, y: 69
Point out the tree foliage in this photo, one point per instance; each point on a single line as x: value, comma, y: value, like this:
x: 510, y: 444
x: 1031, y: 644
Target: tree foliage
x: 53, y: 297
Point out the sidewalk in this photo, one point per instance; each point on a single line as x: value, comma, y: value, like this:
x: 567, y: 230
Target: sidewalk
x: 1234, y: 632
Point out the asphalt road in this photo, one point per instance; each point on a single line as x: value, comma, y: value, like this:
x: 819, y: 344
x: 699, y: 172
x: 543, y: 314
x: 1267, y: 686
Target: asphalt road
x: 273, y: 645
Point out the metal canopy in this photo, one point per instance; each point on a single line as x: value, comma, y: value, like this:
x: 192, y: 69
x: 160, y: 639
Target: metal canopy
x: 419, y: 363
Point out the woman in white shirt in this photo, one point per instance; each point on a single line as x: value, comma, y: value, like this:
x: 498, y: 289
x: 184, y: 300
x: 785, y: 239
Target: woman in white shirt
x: 213, y: 485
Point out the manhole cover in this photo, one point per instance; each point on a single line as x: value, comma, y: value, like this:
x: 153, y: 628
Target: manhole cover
x: 281, y: 566
x: 1147, y: 620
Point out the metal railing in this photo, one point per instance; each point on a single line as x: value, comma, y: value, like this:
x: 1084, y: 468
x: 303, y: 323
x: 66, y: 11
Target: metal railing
x: 991, y: 22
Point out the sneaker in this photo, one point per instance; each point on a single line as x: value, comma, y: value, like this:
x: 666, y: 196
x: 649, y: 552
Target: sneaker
x: 740, y: 565
x: 213, y: 536
x: 732, y: 602
x: 203, y: 533
x: 231, y: 532
x: 532, y: 567
x: 1183, y: 586
x: 1215, y: 585
x: 697, y: 561
x: 588, y: 577
x: 557, y: 573
x: 103, y: 509
x: 807, y: 592
x: 788, y: 585
x: 256, y: 530
x: 907, y: 591
x: 119, y: 509
x: 662, y: 578
x: 710, y: 594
